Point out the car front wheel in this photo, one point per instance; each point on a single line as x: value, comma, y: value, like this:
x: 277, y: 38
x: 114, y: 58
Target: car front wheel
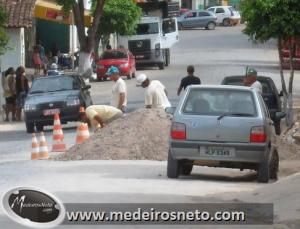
x: 277, y: 127
x: 29, y: 127
x: 172, y: 167
x: 211, y: 26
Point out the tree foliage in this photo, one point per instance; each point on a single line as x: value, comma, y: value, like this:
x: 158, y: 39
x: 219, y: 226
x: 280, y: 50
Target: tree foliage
x: 3, y: 36
x: 268, y: 19
x: 120, y: 16
x: 275, y: 19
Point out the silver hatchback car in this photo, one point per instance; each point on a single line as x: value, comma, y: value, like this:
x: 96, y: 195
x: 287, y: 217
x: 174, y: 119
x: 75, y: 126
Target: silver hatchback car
x: 222, y: 126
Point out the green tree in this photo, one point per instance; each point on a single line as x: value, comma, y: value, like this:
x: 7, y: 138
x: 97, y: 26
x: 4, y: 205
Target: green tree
x: 86, y: 37
x: 3, y: 36
x: 119, y: 16
x: 280, y: 20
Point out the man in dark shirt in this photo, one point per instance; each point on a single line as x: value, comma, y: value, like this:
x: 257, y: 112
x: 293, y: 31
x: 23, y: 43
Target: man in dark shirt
x: 188, y: 80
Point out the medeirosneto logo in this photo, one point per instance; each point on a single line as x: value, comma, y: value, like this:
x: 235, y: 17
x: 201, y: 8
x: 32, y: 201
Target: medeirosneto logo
x: 33, y: 208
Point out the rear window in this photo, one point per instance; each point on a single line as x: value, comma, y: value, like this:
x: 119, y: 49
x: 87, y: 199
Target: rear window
x: 218, y: 102
x: 113, y: 55
x: 266, y: 87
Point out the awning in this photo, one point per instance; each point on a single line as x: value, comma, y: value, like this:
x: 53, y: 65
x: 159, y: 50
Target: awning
x: 53, y: 12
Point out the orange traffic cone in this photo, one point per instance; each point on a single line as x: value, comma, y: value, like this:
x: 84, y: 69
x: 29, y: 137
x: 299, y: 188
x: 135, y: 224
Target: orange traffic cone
x: 35, y: 148
x: 58, y: 136
x: 82, y: 132
x: 43, y: 152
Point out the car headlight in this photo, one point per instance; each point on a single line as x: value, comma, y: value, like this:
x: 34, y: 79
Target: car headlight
x: 29, y: 107
x: 73, y: 102
x: 124, y: 65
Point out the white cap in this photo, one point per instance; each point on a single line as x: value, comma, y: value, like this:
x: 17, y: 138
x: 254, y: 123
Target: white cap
x: 54, y: 66
x: 141, y: 78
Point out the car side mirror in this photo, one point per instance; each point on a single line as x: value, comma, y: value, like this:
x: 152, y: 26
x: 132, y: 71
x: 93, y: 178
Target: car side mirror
x: 170, y: 110
x: 280, y: 115
x: 281, y: 93
x: 87, y: 87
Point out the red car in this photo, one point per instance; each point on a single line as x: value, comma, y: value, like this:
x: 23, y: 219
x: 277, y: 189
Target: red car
x: 120, y: 58
x: 285, y: 52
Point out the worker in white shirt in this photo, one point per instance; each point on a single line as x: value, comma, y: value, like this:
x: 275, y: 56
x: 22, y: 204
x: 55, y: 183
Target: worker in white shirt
x: 155, y: 94
x: 251, y: 80
x: 119, y: 89
x: 98, y: 116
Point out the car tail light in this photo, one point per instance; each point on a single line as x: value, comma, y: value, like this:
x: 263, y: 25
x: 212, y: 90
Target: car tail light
x: 258, y: 134
x: 178, y: 131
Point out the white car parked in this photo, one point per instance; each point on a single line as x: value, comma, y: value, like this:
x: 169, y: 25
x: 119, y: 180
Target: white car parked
x: 226, y: 15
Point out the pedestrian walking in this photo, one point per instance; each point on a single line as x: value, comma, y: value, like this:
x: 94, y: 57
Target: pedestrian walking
x: 42, y: 55
x: 119, y: 89
x: 9, y: 94
x: 21, y: 91
x: 98, y: 116
x: 55, y: 52
x: 251, y: 80
x: 37, y: 60
x: 190, y: 79
x: 155, y: 93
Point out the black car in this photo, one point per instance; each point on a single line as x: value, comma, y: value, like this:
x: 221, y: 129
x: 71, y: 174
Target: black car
x: 63, y: 94
x: 269, y: 93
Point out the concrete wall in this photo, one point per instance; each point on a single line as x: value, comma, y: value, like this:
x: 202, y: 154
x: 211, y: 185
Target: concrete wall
x: 14, y: 57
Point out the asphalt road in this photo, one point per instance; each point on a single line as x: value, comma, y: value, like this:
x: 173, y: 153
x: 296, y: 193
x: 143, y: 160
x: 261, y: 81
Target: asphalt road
x: 215, y: 54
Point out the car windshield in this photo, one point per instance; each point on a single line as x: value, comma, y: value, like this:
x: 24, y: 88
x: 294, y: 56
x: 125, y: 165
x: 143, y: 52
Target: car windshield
x: 51, y: 84
x: 219, y: 102
x: 232, y: 9
x: 113, y: 55
x: 149, y: 28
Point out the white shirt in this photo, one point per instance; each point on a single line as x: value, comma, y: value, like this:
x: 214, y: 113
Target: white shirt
x: 257, y: 86
x: 119, y: 87
x: 155, y: 95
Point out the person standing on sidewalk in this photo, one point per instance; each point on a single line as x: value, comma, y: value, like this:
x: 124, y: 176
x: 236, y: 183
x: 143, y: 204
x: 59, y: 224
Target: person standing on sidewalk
x: 10, y: 94
x: 21, y: 91
x: 155, y: 94
x: 119, y: 89
x: 190, y: 79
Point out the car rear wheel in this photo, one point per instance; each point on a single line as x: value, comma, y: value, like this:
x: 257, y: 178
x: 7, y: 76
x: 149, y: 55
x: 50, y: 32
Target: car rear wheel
x: 39, y: 127
x: 161, y: 66
x: 274, y: 165
x: 263, y: 171
x: 226, y: 22
x: 172, y: 167
x: 186, y: 169
x: 133, y: 75
x: 29, y: 127
x: 211, y: 26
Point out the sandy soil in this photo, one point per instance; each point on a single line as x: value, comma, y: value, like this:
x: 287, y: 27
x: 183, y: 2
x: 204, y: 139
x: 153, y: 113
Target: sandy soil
x: 141, y: 135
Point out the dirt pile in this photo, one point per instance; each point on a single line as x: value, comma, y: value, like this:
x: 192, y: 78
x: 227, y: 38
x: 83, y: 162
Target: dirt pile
x: 140, y: 135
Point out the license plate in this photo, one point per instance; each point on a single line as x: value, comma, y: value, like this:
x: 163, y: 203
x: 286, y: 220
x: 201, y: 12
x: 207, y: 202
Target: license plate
x: 139, y: 57
x: 218, y: 151
x: 50, y: 112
